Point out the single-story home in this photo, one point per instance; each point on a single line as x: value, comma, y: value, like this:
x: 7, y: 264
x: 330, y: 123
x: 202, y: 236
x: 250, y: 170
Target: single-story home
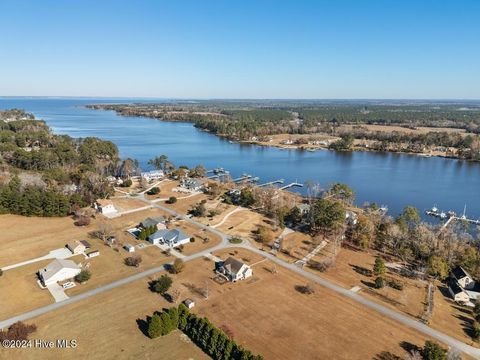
x: 76, y: 247
x: 172, y: 238
x: 158, y: 222
x: 234, y: 269
x: 92, y: 253
x: 189, y: 303
x: 105, y: 206
x: 58, y: 270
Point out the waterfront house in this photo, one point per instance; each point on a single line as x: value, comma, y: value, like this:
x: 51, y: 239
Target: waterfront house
x: 234, y: 269
x: 462, y: 287
x: 58, y: 270
x: 192, y: 184
x: 172, y: 238
x: 153, y: 175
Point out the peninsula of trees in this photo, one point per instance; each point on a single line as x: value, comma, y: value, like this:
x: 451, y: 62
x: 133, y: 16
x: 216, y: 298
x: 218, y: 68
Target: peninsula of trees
x: 416, y: 127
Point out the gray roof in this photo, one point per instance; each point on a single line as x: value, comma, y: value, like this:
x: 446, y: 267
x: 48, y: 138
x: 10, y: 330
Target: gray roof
x: 233, y: 265
x: 152, y: 221
x: 173, y: 235
x: 55, y: 266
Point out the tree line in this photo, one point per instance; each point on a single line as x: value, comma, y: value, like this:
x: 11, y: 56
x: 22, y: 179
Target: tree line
x: 201, y: 331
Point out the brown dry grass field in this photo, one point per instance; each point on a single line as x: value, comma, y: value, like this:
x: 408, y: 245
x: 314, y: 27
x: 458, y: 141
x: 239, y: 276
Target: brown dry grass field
x: 199, y: 234
x: 450, y: 317
x: 265, y: 313
x: 346, y: 272
x: 166, y: 187
x: 127, y: 204
x: 184, y: 205
x: 19, y: 291
x: 243, y: 223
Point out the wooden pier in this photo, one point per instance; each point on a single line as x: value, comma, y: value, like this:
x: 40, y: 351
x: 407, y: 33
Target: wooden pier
x: 294, y: 184
x: 280, y: 181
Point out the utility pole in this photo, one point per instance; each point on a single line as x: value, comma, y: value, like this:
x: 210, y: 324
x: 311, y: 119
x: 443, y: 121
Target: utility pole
x: 206, y: 289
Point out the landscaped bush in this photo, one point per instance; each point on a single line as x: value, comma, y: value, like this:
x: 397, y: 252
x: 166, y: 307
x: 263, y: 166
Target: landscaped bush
x: 154, y: 191
x: 162, y: 284
x: 320, y: 265
x: 126, y: 183
x: 172, y: 200
x: 379, y: 282
x: 145, y: 233
x: 305, y: 289
x: 83, y: 276
x: 395, y: 284
x: 235, y: 240
x: 201, y: 331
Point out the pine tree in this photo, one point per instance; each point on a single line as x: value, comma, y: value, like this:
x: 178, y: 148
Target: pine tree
x: 379, y: 267
x: 155, y: 327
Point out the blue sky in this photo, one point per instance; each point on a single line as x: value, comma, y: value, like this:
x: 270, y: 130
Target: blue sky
x: 241, y: 49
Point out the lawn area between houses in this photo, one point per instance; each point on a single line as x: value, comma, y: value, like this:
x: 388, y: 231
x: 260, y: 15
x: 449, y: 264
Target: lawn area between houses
x: 265, y: 313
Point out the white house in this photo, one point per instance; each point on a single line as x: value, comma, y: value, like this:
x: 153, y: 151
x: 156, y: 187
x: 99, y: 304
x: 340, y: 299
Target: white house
x: 58, y: 270
x: 105, y: 206
x: 234, y: 269
x: 153, y: 175
x: 172, y: 238
x: 76, y: 247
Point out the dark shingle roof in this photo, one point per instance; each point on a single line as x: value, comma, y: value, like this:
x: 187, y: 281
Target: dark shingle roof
x: 456, y: 289
x: 459, y: 273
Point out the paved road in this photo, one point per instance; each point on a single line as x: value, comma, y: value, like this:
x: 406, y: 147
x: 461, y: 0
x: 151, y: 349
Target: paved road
x: 62, y: 253
x: 405, y: 320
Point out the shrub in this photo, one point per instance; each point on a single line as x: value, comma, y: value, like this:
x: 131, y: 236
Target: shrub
x: 154, y: 191
x: 17, y: 331
x: 82, y: 220
x: 126, y: 183
x: 433, y: 351
x: 1, y: 272
x: 192, y: 239
x: 379, y: 282
x: 162, y: 284
x: 133, y: 260
x: 320, y: 265
x: 155, y: 327
x: 172, y: 200
x: 305, y: 289
x: 83, y: 276
x: 395, y: 284
x: 235, y: 240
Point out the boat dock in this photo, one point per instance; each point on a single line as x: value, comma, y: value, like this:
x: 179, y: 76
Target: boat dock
x: 279, y: 181
x: 451, y: 216
x: 242, y: 178
x: 294, y: 184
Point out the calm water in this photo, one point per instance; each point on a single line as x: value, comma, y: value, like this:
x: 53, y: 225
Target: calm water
x: 391, y: 179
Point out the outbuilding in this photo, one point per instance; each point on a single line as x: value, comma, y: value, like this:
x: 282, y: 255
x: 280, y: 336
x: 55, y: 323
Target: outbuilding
x: 189, y: 303
x: 130, y: 248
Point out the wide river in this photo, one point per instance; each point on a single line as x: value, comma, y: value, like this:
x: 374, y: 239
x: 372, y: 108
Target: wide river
x: 394, y: 180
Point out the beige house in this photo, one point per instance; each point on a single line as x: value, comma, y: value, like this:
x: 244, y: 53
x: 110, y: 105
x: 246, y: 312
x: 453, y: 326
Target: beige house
x: 234, y: 269
x: 76, y: 247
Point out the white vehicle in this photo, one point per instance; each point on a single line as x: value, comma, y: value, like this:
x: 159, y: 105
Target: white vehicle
x: 68, y: 285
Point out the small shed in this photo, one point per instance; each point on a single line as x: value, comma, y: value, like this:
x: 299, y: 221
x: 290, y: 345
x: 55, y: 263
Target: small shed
x: 189, y: 303
x: 129, y: 248
x: 92, y: 253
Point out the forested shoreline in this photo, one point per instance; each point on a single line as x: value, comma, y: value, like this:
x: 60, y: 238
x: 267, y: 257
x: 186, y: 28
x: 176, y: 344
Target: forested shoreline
x: 42, y: 174
x: 256, y: 121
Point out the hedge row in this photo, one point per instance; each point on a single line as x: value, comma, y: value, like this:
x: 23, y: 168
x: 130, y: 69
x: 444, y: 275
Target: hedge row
x: 201, y: 331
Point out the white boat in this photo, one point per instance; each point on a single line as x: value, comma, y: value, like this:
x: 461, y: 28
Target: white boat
x: 443, y: 215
